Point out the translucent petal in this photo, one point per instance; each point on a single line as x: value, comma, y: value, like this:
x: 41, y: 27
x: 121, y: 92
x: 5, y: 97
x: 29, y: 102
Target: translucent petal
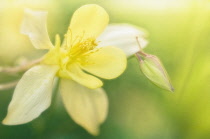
x: 34, y: 25
x: 88, y: 21
x: 108, y: 62
x: 87, y: 107
x: 123, y: 36
x: 76, y: 73
x: 32, y: 95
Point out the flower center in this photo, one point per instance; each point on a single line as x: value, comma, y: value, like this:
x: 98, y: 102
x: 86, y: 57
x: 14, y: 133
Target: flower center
x: 82, y: 47
x: 67, y: 54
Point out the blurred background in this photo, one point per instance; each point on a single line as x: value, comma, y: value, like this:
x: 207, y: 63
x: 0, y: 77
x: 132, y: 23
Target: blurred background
x: 179, y: 34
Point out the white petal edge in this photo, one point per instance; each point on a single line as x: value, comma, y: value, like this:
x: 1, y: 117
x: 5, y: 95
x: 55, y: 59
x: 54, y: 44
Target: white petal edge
x: 87, y: 107
x: 34, y: 25
x: 32, y: 95
x: 124, y: 37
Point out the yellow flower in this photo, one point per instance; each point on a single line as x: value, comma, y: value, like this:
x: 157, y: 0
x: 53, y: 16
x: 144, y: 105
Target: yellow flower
x: 75, y: 62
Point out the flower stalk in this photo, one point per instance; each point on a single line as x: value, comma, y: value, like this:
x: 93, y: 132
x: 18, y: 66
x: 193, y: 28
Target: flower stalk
x: 9, y: 85
x: 20, y: 68
x: 14, y: 70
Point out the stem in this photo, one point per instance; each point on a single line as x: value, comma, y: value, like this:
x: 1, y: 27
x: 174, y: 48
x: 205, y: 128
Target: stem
x: 138, y: 57
x: 12, y: 70
x: 6, y: 86
x: 138, y: 43
x: 199, y: 28
x: 140, y: 52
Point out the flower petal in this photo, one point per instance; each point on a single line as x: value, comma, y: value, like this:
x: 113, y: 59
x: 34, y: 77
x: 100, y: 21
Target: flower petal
x: 108, y: 62
x: 124, y: 37
x: 88, y: 21
x: 76, y: 73
x: 34, y: 25
x: 32, y: 95
x: 87, y: 107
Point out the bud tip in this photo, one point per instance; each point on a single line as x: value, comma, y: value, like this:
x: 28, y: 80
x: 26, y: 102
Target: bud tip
x: 172, y: 89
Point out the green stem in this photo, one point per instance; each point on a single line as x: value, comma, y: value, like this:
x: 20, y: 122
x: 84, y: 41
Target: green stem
x: 198, y: 29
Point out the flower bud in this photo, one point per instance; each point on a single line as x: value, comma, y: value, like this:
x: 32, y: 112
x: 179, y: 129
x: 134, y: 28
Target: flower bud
x: 153, y: 69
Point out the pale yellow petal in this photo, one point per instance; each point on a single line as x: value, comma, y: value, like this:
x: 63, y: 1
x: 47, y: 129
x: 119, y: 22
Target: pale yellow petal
x: 88, y: 21
x: 34, y: 25
x: 87, y: 107
x: 76, y: 73
x: 123, y: 36
x: 108, y: 62
x: 32, y: 95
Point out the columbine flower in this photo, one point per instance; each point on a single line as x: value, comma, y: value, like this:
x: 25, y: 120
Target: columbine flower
x: 80, y: 54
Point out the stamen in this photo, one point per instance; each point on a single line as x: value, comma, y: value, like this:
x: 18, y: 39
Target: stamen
x: 69, y: 38
x: 75, y: 41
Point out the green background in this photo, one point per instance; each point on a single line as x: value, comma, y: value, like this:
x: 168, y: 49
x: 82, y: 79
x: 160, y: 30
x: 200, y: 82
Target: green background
x: 179, y: 34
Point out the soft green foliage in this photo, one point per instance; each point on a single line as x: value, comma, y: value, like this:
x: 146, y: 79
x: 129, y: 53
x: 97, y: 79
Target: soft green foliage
x: 178, y: 35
